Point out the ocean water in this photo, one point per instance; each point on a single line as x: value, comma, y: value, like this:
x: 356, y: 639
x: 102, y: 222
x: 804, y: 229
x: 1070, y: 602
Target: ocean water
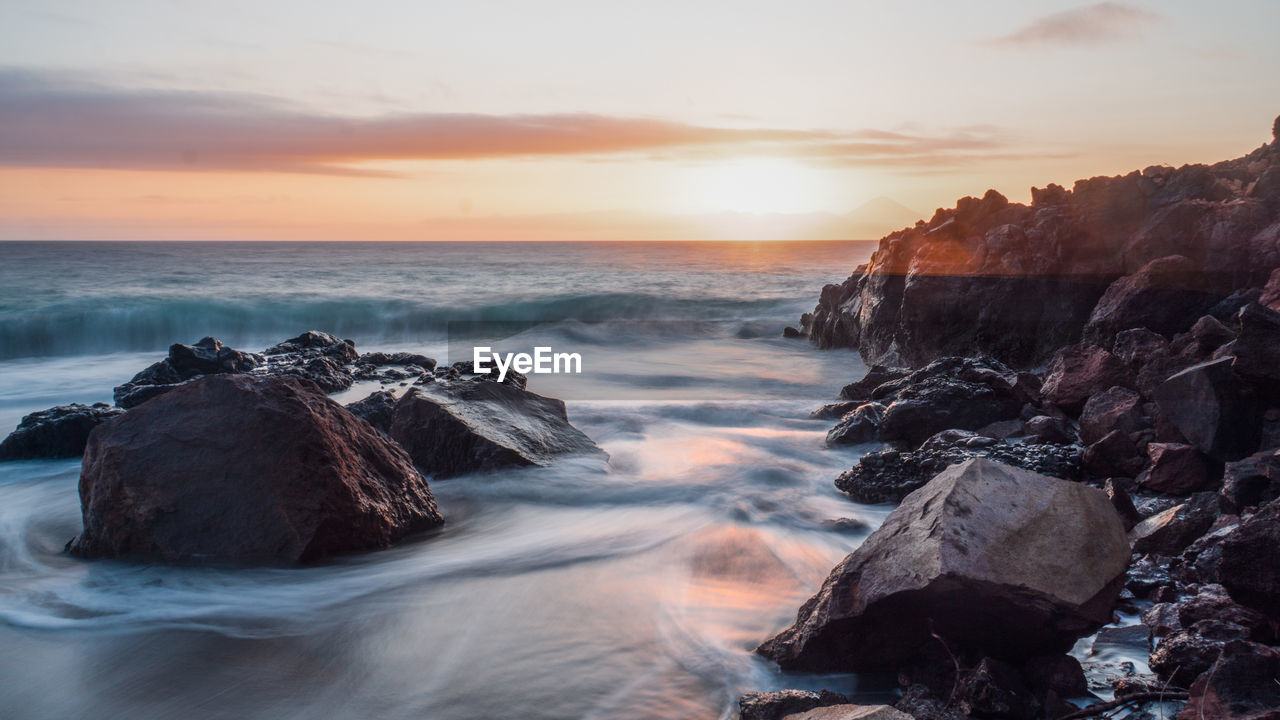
x: 632, y: 588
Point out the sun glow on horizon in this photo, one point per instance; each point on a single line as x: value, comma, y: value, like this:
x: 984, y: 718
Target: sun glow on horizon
x: 759, y: 185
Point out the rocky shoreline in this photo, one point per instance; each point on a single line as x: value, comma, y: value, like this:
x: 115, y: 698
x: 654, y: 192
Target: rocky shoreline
x: 1122, y: 336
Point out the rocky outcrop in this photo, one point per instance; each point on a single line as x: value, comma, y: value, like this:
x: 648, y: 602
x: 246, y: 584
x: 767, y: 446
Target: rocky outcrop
x: 245, y: 468
x: 185, y: 362
x: 996, y: 561
x: 59, y: 432
x: 457, y: 427
x: 1016, y: 282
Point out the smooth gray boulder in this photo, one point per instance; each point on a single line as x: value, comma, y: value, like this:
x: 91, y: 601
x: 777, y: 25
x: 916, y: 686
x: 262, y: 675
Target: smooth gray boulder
x: 993, y: 559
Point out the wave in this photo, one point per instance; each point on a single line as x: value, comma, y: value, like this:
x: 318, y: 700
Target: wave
x: 94, y: 325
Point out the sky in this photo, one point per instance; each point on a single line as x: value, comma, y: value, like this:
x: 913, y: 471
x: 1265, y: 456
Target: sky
x: 590, y: 120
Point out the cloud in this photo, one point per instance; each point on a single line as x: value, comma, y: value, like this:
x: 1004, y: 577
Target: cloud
x: 1087, y: 25
x: 52, y: 120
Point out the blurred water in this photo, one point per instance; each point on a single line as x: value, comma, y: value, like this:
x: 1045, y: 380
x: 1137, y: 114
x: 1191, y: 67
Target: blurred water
x: 634, y: 588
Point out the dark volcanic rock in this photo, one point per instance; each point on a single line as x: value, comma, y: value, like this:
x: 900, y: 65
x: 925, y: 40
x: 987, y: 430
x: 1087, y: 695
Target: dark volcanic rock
x: 1114, y: 409
x: 997, y: 561
x: 377, y: 409
x: 1078, y: 372
x: 398, y: 358
x: 1017, y: 282
x: 1247, y: 563
x: 451, y: 428
x: 1212, y: 409
x: 235, y: 467
x: 1114, y: 455
x: 877, y: 375
x: 1244, y: 685
x: 184, y: 362
x: 324, y: 370
x: 1257, y: 347
x: 950, y: 393
x: 860, y: 425
x: 779, y: 704
x: 1168, y: 533
x: 889, y: 475
x: 1165, y: 296
x: 313, y: 343
x: 59, y: 432
x: 1181, y: 656
x: 1252, y: 481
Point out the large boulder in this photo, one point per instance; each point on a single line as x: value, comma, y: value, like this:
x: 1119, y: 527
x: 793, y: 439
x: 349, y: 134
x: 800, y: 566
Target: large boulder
x: 244, y: 468
x: 1253, y: 480
x: 1212, y: 409
x: 1247, y: 563
x: 1244, y: 684
x: 59, y: 432
x: 456, y: 427
x: 1177, y: 469
x: 994, y: 560
x: 949, y: 393
x: 1116, y: 408
x: 1166, y: 296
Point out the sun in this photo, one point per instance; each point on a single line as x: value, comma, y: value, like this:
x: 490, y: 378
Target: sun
x: 761, y: 185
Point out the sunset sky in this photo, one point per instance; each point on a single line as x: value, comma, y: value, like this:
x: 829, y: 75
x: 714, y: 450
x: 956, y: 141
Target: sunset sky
x: 599, y: 120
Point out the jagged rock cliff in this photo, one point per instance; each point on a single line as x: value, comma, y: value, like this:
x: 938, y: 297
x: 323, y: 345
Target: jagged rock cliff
x: 1017, y: 282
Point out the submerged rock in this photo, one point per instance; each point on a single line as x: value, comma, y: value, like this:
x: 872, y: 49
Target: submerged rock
x: 994, y: 560
x: 59, y: 432
x: 244, y: 468
x: 451, y: 428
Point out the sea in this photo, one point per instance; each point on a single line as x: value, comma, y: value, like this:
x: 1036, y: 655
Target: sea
x: 632, y: 587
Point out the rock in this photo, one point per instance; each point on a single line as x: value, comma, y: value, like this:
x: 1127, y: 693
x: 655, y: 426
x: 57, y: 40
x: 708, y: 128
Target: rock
x: 236, y: 467
x: 184, y: 362
x: 861, y: 425
x: 1148, y: 574
x: 1165, y: 296
x: 1162, y: 619
x: 776, y: 705
x: 1210, y: 407
x: 1078, y: 372
x: 875, y: 376
x: 323, y: 370
x: 1127, y: 637
x: 791, y: 333
x: 380, y: 359
x: 920, y: 703
x: 1122, y: 502
x: 467, y: 367
x: 1170, y: 532
x: 950, y: 393
x: 1242, y: 686
x: 313, y: 343
x: 851, y: 712
x: 834, y: 411
x: 1181, y: 656
x: 1247, y: 563
x: 1177, y: 469
x: 1003, y: 429
x: 452, y: 428
x: 1270, y: 297
x: 994, y: 689
x: 995, y: 560
x: 1257, y: 347
x: 1138, y: 346
x: 1212, y: 602
x: 1252, y: 481
x: 888, y: 476
x: 59, y: 432
x: 1049, y: 429
x: 1116, y: 408
x: 377, y: 409
x: 1113, y: 455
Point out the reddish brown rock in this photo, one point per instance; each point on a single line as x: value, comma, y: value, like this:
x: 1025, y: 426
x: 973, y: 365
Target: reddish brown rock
x: 1165, y: 296
x: 1212, y: 409
x: 236, y: 467
x: 1244, y: 684
x: 1078, y: 372
x: 1114, y: 455
x: 1117, y: 408
x: 1177, y: 469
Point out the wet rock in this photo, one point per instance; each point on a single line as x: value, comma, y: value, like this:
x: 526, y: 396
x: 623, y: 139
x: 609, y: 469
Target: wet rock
x: 1122, y: 502
x: 184, y: 362
x: 1242, y: 686
x: 959, y: 393
x: 889, y: 475
x: 467, y: 367
x: 834, y: 411
x: 876, y: 376
x: 1170, y: 532
x: 777, y: 705
x: 1211, y: 408
x: 861, y: 425
x: 314, y: 343
x: 996, y: 560
x: 236, y: 467
x: 1113, y: 455
x: 1245, y: 561
x: 921, y: 703
x: 377, y: 409
x: 1162, y: 619
x: 59, y: 432
x: 1177, y: 469
x: 1166, y: 296
x: 1181, y: 656
x: 1116, y: 408
x: 792, y: 333
x: 379, y: 359
x: 452, y: 428
x: 851, y: 712
x: 324, y: 370
x: 1138, y: 346
x: 1252, y: 481
x: 1212, y: 602
x: 1078, y: 372
x: 1148, y: 574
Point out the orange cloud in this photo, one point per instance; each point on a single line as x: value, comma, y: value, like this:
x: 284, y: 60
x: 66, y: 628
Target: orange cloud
x: 1087, y: 25
x: 59, y: 121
